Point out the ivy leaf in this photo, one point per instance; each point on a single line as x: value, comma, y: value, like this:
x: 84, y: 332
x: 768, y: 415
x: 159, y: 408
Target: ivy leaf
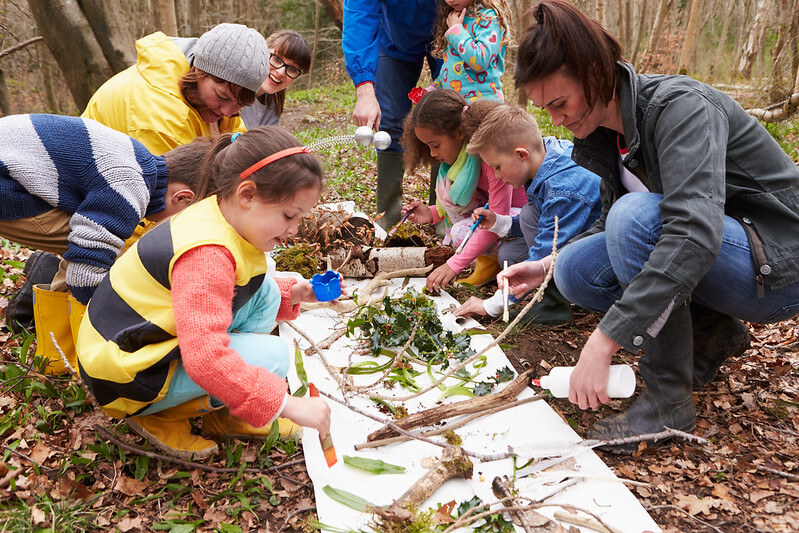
x: 375, y: 466
x: 353, y: 501
x: 458, y: 390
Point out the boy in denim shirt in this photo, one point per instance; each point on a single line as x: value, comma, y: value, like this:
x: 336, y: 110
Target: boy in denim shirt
x: 509, y: 141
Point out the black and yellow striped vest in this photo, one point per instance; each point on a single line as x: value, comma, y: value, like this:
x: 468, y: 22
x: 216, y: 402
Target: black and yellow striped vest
x: 127, y: 348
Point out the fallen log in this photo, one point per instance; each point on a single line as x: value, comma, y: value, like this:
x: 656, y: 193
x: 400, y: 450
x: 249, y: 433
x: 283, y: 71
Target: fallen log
x: 366, y: 262
x: 436, y: 414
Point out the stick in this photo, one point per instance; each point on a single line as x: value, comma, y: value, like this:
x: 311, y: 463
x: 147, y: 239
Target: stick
x: 530, y: 520
x: 436, y: 414
x: 584, y: 521
x: 505, y: 314
x: 451, y: 427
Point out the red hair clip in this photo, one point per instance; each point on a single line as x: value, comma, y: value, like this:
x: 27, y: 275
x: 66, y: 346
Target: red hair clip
x: 274, y: 157
x: 416, y: 94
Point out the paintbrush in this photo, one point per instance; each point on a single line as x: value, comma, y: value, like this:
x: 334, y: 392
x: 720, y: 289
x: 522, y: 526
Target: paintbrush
x: 505, y: 314
x: 471, y: 231
x: 400, y: 223
x: 327, y: 443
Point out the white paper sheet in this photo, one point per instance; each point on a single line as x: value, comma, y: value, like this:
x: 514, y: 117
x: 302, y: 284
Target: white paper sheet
x: 534, y: 422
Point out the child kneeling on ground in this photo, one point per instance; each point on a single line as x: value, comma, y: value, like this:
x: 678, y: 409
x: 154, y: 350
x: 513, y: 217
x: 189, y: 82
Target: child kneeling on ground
x: 179, y: 328
x: 509, y: 141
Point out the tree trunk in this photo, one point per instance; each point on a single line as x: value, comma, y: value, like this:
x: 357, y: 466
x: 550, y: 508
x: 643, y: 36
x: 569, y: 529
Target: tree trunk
x: 45, y: 64
x: 5, y: 108
x: 600, y: 13
x: 779, y: 61
x: 724, y: 31
x: 111, y: 30
x: 335, y: 11
x: 639, y: 31
x: 688, y: 59
x: 164, y: 18
x: 743, y: 24
x: 315, y: 43
x: 193, y: 18
x: 69, y: 37
x: 657, y: 27
x: 754, y: 43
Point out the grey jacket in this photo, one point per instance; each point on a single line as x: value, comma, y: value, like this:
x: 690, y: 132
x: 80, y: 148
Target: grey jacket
x: 708, y: 157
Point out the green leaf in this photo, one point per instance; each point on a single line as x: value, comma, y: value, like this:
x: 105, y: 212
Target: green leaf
x: 458, y: 390
x: 353, y: 501
x: 482, y: 388
x: 375, y: 466
x: 299, y: 366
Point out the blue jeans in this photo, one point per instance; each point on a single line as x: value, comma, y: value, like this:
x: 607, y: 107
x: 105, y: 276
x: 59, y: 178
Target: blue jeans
x: 249, y: 337
x: 394, y: 80
x: 593, y: 271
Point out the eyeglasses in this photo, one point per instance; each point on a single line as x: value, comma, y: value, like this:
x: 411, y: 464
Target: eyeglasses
x: 276, y: 62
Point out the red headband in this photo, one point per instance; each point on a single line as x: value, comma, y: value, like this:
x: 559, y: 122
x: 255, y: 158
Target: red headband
x: 274, y: 157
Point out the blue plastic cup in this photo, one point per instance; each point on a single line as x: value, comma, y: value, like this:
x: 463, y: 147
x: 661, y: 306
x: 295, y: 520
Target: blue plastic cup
x: 326, y: 286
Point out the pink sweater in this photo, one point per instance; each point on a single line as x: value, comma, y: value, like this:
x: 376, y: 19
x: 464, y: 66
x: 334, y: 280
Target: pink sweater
x: 202, y: 304
x: 500, y: 197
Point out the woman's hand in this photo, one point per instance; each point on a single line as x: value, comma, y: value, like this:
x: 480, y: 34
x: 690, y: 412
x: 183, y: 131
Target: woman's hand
x: 473, y: 305
x: 440, y: 278
x: 588, y: 386
x: 420, y: 212
x: 455, y: 18
x: 367, y: 110
x: 489, y: 218
x: 523, y: 277
x: 308, y: 412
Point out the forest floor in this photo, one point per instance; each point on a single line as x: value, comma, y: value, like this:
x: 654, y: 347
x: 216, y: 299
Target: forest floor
x: 66, y: 467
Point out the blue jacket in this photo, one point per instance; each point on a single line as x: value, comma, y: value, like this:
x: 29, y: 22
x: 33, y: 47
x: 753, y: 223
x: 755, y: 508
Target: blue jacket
x: 562, y: 188
x: 402, y: 29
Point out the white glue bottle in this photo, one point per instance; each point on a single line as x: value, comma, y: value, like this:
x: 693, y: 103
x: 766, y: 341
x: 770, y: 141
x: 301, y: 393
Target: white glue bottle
x: 621, y: 381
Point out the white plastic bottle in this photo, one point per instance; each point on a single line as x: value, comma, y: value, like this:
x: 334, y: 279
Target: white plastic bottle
x: 621, y: 381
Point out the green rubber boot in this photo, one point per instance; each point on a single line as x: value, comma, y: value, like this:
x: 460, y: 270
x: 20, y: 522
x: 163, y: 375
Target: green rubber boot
x: 716, y: 337
x: 552, y: 310
x: 390, y: 171
x: 667, y: 401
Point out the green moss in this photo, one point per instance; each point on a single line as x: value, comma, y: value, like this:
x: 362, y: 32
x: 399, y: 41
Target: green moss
x: 301, y: 259
x: 452, y: 438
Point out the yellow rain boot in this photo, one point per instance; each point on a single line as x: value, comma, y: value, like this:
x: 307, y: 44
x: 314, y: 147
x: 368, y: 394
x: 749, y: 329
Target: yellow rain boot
x: 486, y: 269
x: 76, y: 312
x: 223, y: 425
x: 51, y: 314
x: 170, y: 430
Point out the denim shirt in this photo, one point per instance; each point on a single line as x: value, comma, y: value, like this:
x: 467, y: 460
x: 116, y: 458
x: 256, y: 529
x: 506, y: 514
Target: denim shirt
x: 709, y: 158
x: 564, y: 189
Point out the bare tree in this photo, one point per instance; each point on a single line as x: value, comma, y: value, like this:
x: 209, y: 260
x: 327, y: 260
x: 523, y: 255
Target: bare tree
x: 757, y: 36
x: 657, y: 27
x: 164, y: 18
x: 72, y: 42
x: 779, y: 61
x: 639, y: 30
x: 688, y: 59
x: 193, y: 18
x: 335, y: 11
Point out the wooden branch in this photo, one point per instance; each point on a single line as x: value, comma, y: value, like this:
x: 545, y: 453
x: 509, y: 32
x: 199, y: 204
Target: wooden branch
x: 584, y: 521
x: 436, y: 414
x: 530, y: 520
x: 787, y: 475
x: 19, y: 46
x: 450, y: 427
x: 453, y: 464
x: 365, y: 295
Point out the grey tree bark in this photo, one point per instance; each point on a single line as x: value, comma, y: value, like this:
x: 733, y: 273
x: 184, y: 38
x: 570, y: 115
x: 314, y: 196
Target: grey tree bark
x: 164, y: 18
x: 688, y: 59
x: 70, y: 38
x: 755, y: 41
x: 657, y: 26
x: 111, y: 30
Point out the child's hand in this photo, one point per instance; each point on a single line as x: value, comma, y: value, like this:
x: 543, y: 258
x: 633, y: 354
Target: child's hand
x: 302, y: 291
x: 308, y: 412
x: 440, y: 278
x: 489, y: 218
x: 455, y: 18
x: 473, y: 305
x: 420, y: 212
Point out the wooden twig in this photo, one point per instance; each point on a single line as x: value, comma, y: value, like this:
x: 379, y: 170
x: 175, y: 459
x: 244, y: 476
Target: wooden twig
x: 450, y: 427
x: 292, y: 515
x: 316, y: 349
x: 686, y: 513
x: 436, y: 414
x: 190, y: 464
x: 787, y: 475
x: 530, y: 520
x: 584, y: 521
x: 19, y: 46
x: 665, y: 434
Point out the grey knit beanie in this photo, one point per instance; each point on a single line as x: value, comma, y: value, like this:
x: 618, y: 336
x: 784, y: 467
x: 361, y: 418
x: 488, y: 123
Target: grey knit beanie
x: 235, y: 53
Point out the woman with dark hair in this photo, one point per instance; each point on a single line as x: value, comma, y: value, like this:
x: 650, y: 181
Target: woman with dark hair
x: 289, y: 58
x: 700, y: 222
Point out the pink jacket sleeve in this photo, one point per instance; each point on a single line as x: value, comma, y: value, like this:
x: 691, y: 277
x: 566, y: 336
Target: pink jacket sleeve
x: 500, y: 200
x: 203, y: 314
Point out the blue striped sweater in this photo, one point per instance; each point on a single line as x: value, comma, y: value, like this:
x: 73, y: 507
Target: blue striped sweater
x: 104, y: 179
